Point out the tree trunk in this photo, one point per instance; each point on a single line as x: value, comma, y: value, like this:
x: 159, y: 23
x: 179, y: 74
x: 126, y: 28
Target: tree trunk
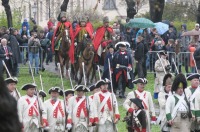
x: 198, y: 13
x: 156, y: 10
x: 6, y: 5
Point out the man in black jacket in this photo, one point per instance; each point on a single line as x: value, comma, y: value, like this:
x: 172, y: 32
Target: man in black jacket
x: 140, y: 55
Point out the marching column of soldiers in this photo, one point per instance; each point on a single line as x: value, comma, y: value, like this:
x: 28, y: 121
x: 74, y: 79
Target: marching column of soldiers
x: 78, y: 112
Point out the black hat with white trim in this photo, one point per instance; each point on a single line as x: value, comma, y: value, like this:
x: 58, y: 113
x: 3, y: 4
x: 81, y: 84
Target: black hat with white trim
x: 11, y: 80
x: 122, y: 44
x: 69, y: 91
x: 28, y: 85
x: 140, y: 80
x: 192, y: 76
x: 56, y: 89
x: 42, y: 93
x: 102, y: 82
x: 82, y: 88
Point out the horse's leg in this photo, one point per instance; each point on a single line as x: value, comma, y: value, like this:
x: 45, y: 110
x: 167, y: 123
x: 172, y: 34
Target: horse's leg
x: 81, y: 74
x: 76, y: 69
x: 61, y: 64
x: 67, y: 67
x: 93, y: 72
x: 89, y: 68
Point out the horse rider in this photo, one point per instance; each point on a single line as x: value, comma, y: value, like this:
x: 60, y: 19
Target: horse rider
x: 29, y: 107
x: 162, y: 98
x: 122, y: 66
x: 79, y: 118
x: 62, y: 26
x: 11, y: 85
x: 55, y: 110
x: 177, y: 106
x: 105, y: 106
x: 103, y: 36
x: 147, y: 102
x: 191, y: 93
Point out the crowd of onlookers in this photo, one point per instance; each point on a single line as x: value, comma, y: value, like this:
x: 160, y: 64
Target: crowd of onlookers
x: 35, y: 45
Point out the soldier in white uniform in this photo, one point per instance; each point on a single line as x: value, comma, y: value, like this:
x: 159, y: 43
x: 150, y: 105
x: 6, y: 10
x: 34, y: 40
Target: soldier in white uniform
x: 177, y: 111
x: 94, y: 90
x: 11, y: 85
x: 68, y: 94
x: 192, y: 92
x: 55, y: 110
x: 29, y: 107
x: 160, y: 64
x: 162, y: 98
x: 78, y: 119
x: 146, y: 98
x: 106, y: 113
x: 197, y: 110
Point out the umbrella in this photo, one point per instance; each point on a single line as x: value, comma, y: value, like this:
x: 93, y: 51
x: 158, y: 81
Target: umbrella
x: 161, y: 27
x: 191, y: 33
x: 140, y: 23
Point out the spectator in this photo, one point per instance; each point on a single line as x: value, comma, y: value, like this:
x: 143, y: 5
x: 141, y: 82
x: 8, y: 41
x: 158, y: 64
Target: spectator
x: 197, y: 58
x: 171, y: 49
x: 140, y: 54
x: 7, y: 54
x: 45, y: 44
x: 35, y: 29
x: 34, y: 46
x: 49, y: 36
x: 129, y: 37
x: 192, y: 48
x: 50, y: 23
x: 171, y: 25
x: 25, y: 34
x: 177, y: 51
x: 14, y: 45
x: 25, y: 24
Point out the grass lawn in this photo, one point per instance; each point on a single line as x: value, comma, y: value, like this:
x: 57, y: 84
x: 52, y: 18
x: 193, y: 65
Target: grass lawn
x: 50, y: 80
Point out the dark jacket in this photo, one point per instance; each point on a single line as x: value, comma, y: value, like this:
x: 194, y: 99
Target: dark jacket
x: 34, y: 45
x: 140, y: 51
x: 13, y: 44
x: 21, y: 40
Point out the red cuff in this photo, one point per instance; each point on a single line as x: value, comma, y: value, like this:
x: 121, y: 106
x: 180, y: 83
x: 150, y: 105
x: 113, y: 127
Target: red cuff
x: 117, y: 116
x: 153, y: 118
x: 96, y: 119
x: 91, y: 120
x: 144, y: 130
x: 129, y: 65
x: 69, y: 121
x: 45, y: 121
x: 137, y: 129
x: 130, y: 110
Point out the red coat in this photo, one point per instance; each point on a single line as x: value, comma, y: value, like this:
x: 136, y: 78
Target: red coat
x: 99, y: 36
x: 67, y: 24
x: 72, y: 47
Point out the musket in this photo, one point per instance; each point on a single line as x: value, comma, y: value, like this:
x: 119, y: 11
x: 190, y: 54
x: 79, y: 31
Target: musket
x: 18, y: 94
x: 161, y: 63
x: 112, y: 93
x: 175, y: 65
x: 86, y: 100
x: 195, y: 63
x: 41, y: 82
x: 38, y: 99
x: 70, y: 79
x: 99, y: 72
x: 63, y: 89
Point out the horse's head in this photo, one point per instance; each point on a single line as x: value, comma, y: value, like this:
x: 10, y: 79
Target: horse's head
x: 66, y: 35
x: 89, y: 47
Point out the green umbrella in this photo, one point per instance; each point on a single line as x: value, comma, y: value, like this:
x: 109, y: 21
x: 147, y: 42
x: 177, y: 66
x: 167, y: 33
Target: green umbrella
x: 140, y: 23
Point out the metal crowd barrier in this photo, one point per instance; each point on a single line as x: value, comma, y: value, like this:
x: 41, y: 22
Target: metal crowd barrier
x: 182, y: 61
x: 24, y: 56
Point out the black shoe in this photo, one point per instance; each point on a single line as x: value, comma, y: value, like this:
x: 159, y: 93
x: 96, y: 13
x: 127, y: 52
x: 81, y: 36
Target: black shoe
x: 43, y: 69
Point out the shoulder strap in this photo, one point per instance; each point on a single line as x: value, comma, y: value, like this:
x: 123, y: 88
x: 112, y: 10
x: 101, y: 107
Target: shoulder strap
x: 194, y: 94
x: 103, y: 102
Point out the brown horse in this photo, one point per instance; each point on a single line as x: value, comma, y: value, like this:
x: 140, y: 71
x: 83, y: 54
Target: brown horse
x: 87, y: 57
x: 62, y: 53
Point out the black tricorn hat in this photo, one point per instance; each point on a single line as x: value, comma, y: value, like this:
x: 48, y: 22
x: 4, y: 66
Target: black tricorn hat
x: 56, y: 89
x: 11, y: 80
x: 42, y: 93
x: 137, y: 102
x: 92, y: 87
x: 102, y: 82
x: 192, y: 76
x: 82, y: 88
x: 140, y: 80
x: 179, y: 80
x: 28, y: 85
x: 69, y: 91
x: 110, y: 46
x: 167, y: 80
